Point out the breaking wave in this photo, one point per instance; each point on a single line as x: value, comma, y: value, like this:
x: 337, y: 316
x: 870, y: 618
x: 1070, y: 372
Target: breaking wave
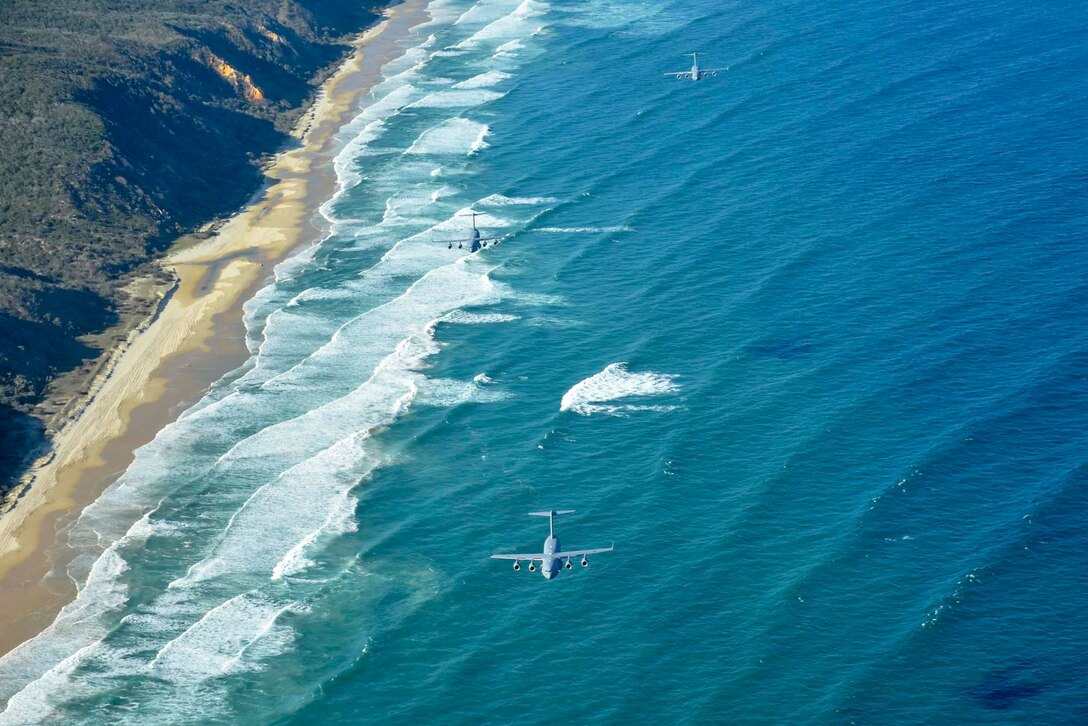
x: 605, y: 392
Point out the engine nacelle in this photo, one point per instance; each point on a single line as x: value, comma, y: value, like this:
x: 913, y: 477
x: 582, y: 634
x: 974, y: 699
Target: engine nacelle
x: 532, y: 567
x: 568, y: 565
x: 714, y: 73
x: 517, y: 566
x: 585, y: 562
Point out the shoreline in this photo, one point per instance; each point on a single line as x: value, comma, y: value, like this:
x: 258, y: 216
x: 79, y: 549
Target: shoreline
x: 194, y: 336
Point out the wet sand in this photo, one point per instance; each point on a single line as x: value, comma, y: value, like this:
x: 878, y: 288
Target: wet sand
x: 195, y: 338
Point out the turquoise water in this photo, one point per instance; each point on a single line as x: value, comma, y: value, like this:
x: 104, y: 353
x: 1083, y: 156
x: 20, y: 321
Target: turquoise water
x: 806, y: 340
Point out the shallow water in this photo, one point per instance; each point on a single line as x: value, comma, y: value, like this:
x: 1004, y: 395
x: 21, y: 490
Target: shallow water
x: 806, y: 340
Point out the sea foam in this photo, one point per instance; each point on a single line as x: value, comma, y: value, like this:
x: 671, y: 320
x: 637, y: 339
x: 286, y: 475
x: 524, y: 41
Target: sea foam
x: 483, y: 80
x: 598, y: 393
x: 522, y: 22
x: 459, y: 98
x: 452, y: 136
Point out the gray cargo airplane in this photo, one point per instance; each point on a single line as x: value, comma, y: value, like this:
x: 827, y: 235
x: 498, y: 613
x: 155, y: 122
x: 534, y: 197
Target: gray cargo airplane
x: 696, y: 73
x: 475, y: 241
x: 550, y: 558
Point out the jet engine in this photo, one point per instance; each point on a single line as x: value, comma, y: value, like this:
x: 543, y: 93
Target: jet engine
x: 517, y: 566
x: 568, y: 565
x: 585, y: 562
x: 532, y: 567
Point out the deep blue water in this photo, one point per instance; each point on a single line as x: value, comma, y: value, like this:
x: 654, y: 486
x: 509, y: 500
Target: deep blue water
x: 843, y: 462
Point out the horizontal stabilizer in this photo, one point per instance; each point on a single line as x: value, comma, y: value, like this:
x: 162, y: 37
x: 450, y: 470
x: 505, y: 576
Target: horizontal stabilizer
x: 551, y: 513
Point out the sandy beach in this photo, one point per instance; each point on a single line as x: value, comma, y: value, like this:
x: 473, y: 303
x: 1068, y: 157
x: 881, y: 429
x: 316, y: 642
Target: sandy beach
x: 194, y: 338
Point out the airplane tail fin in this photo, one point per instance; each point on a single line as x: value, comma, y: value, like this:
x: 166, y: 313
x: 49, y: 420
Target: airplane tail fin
x: 551, y: 517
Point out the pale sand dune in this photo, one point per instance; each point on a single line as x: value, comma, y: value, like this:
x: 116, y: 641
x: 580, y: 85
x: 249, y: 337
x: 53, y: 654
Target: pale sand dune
x: 201, y: 320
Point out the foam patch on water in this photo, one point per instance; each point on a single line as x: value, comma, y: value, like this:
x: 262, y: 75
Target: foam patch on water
x: 635, y: 19
x: 270, y: 514
x: 484, y: 80
x: 447, y: 393
x: 319, y: 293
x: 408, y: 205
x: 598, y: 393
x: 501, y: 200
x: 509, y: 49
x: 340, y: 520
x: 457, y: 98
x: 215, y: 645
x: 453, y: 136
x: 484, y: 12
x: 521, y: 23
x: 457, y: 221
x: 466, y: 318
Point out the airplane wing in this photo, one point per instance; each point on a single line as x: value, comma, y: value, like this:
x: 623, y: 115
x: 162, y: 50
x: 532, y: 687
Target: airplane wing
x: 680, y: 74
x: 712, y: 70
x: 583, y: 553
x: 518, y: 557
x: 464, y: 241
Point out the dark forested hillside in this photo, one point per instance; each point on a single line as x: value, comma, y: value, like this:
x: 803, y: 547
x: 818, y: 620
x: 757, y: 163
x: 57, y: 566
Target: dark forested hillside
x: 124, y: 123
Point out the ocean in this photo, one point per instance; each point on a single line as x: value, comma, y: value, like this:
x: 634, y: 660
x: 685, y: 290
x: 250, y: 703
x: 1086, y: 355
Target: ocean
x: 806, y: 340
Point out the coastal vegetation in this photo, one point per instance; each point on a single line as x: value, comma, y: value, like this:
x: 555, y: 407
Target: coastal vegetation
x: 123, y: 125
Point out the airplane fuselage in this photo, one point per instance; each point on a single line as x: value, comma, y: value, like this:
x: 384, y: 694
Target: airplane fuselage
x: 549, y: 564
x: 695, y: 70
x: 475, y: 240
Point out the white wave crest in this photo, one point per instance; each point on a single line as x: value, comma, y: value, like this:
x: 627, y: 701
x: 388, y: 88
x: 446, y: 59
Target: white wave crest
x: 521, y: 23
x: 447, y: 393
x: 483, y: 12
x: 215, y: 645
x: 453, y: 136
x: 501, y: 200
x: 509, y: 49
x: 464, y: 98
x: 483, y: 80
x: 615, y: 383
x: 633, y: 19
x: 467, y: 318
